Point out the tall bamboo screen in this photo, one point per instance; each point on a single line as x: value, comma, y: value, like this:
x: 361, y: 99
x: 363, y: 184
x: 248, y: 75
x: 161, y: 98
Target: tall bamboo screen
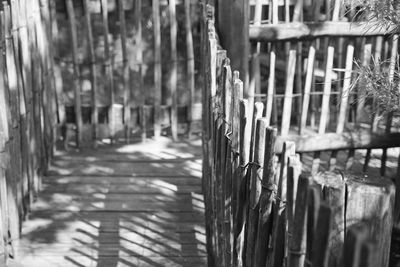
x: 304, y: 65
x: 131, y: 67
x: 28, y: 117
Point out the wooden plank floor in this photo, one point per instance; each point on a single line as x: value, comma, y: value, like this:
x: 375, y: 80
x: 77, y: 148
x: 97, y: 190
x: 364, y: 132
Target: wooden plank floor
x: 126, y: 205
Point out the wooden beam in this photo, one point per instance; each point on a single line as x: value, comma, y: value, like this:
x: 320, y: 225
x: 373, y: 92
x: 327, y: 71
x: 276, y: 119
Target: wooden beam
x: 355, y: 139
x: 308, y: 30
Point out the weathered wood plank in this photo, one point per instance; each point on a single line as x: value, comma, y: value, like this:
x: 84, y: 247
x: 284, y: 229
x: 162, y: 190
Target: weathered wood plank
x: 307, y: 30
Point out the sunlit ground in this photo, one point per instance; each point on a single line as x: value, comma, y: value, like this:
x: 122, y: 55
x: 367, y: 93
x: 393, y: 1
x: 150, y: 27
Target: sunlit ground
x: 126, y: 205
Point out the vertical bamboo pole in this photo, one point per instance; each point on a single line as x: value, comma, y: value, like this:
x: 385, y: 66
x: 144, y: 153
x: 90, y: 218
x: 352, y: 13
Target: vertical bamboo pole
x: 5, y: 122
x: 57, y: 71
x: 174, y: 69
x: 271, y: 78
x: 287, y: 105
x: 307, y: 88
x: 77, y: 75
x: 190, y: 63
x: 23, y: 133
x: 13, y: 174
x: 48, y: 63
x: 93, y: 76
x: 267, y: 196
x: 255, y: 189
x: 36, y: 94
x: 27, y: 81
x: 157, y: 68
x: 139, y: 58
x: 126, y: 72
x: 108, y: 66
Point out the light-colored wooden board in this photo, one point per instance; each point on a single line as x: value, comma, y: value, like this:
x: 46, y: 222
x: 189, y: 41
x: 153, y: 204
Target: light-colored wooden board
x: 145, y: 210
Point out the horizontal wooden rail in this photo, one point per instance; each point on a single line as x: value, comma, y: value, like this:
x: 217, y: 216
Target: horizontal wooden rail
x: 309, y: 30
x: 356, y: 139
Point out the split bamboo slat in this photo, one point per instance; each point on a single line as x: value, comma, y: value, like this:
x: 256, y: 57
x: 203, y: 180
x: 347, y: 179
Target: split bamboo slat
x: 281, y: 215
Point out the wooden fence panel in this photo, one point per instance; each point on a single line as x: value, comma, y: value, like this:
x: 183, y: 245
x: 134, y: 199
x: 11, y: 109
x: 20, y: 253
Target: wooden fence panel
x: 282, y: 216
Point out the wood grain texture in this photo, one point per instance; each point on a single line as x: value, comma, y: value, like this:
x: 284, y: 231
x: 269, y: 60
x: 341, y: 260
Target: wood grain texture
x: 145, y: 221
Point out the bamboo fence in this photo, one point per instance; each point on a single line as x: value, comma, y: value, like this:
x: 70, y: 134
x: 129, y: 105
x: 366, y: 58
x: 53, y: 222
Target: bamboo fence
x: 261, y: 206
x: 156, y: 114
x: 28, y: 108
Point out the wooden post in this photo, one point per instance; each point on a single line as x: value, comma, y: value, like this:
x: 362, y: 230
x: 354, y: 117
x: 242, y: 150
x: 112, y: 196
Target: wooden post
x: 297, y: 246
x: 293, y: 174
x: 36, y: 95
x: 157, y: 68
x: 126, y: 72
x: 57, y: 70
x: 267, y: 197
x: 108, y: 65
x: 256, y: 174
x: 77, y: 75
x: 371, y: 200
x: 139, y: 58
x: 355, y: 200
x: 48, y: 63
x: 22, y: 120
x: 93, y: 74
x: 190, y: 63
x: 11, y: 88
x: 174, y: 69
x: 27, y: 81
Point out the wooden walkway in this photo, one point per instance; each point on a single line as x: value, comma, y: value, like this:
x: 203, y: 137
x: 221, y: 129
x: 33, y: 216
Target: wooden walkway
x: 127, y: 205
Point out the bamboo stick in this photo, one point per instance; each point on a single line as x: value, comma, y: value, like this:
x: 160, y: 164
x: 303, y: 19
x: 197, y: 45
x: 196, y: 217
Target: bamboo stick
x: 307, y: 88
x: 5, y: 123
x: 297, y: 248
x: 287, y: 106
x: 266, y: 200
x: 77, y: 75
x: 139, y: 58
x: 13, y: 176
x: 256, y: 172
x: 57, y: 71
x: 36, y: 93
x: 271, y: 78
x: 93, y: 74
x: 190, y: 63
x: 126, y: 72
x: 26, y: 57
x: 157, y: 68
x: 108, y: 65
x: 49, y: 78
x: 174, y: 69
x: 22, y: 142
